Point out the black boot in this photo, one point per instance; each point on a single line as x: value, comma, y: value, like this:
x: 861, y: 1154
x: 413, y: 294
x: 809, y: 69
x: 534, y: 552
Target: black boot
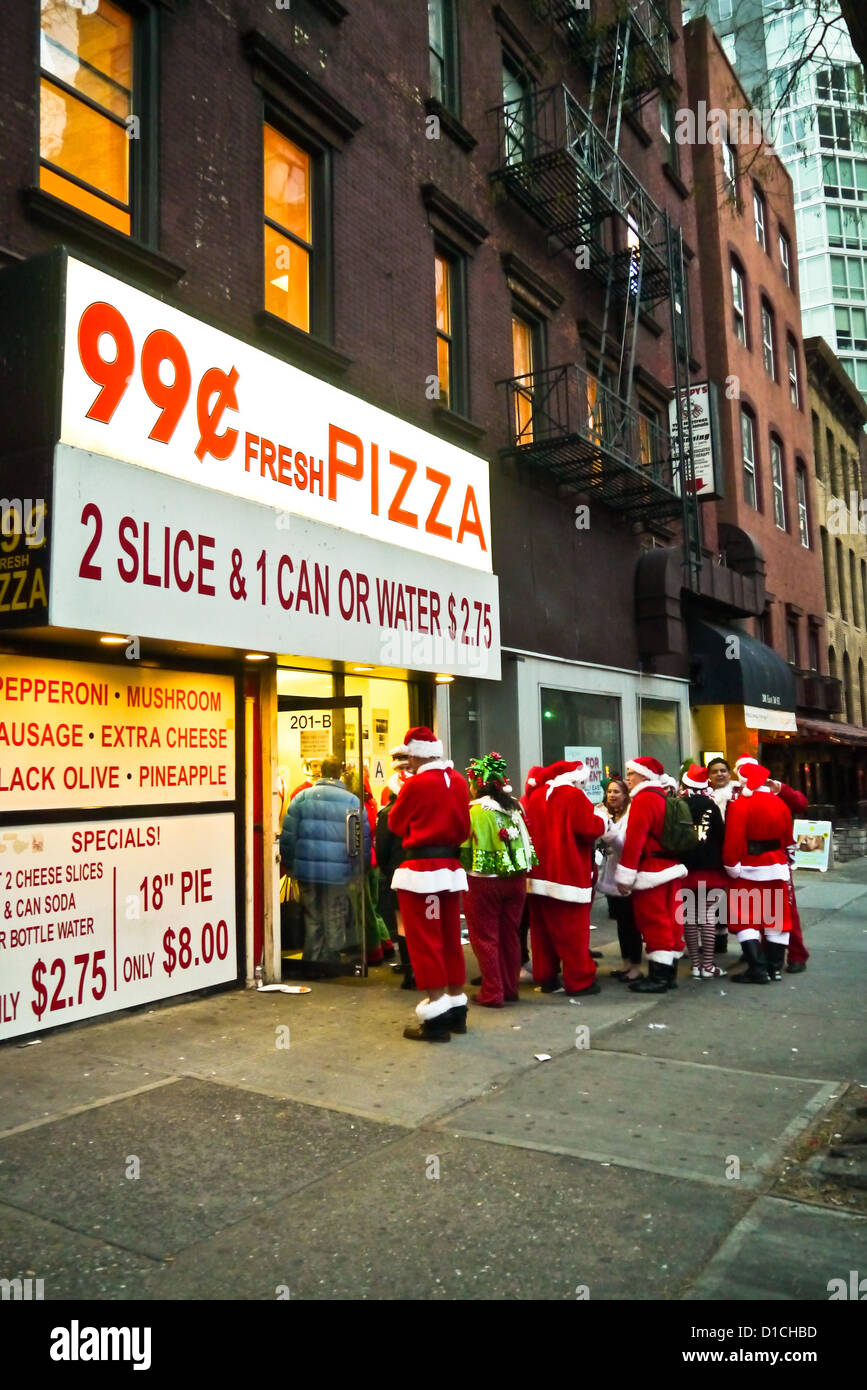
x: 756, y: 972
x: 406, y: 963
x: 721, y: 943
x: 657, y: 980
x: 457, y: 1016
x: 427, y: 1029
x: 775, y: 955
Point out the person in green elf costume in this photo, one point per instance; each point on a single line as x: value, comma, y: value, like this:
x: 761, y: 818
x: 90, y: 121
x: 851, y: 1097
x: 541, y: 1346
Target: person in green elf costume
x: 496, y: 856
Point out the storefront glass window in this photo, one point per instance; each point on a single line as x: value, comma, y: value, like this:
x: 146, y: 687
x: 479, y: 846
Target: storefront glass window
x: 577, y: 719
x: 660, y: 733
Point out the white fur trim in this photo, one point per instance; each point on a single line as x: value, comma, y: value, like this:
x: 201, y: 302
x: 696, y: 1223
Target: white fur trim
x: 429, y: 880
x: 780, y: 937
x: 734, y: 870
x: 696, y: 786
x: 645, y: 772
x: 568, y: 779
x: 644, y: 787
x: 625, y: 877
x: 417, y: 748
x: 488, y: 803
x: 765, y: 873
x: 646, y: 878
x: 663, y: 957
x: 429, y: 1009
x: 457, y: 1001
x: 563, y: 892
x: 749, y: 934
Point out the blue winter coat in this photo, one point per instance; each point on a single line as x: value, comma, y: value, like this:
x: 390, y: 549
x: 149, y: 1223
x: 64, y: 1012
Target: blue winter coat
x: 313, y: 838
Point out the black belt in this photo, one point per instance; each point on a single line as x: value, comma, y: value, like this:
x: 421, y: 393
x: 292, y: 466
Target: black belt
x: 432, y: 852
x: 761, y: 846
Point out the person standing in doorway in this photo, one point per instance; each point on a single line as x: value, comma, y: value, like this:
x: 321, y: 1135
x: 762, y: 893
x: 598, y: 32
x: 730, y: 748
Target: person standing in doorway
x: 432, y: 817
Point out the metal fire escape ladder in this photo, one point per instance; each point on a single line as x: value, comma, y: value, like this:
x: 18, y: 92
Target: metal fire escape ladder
x: 683, y: 476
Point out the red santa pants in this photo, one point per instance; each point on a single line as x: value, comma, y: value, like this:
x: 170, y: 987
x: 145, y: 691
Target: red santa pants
x: 655, y: 918
x: 560, y: 932
x: 493, y: 908
x: 798, y: 953
x: 760, y: 908
x: 432, y: 922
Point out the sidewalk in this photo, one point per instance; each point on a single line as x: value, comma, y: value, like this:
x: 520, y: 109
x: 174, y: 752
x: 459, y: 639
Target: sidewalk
x: 352, y: 1164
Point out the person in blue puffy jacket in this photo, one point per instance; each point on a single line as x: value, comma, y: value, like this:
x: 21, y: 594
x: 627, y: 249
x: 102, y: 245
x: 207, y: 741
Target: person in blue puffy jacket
x: 313, y: 851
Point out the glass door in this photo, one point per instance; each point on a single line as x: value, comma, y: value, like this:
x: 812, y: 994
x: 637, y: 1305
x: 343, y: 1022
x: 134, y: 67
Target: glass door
x: 326, y: 836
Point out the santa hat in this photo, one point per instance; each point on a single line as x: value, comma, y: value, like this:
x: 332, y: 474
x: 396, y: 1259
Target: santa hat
x: 564, y: 774
x: 744, y: 761
x: 534, y: 777
x: 421, y: 742
x: 754, y: 776
x: 695, y: 777
x: 650, y: 768
x: 399, y: 754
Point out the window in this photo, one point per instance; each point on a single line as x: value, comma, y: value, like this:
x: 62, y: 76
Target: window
x: 853, y: 586
x: 830, y: 454
x: 851, y: 328
x: 768, y: 341
x: 730, y: 48
x: 288, y: 230
x: 864, y: 589
x: 847, y: 277
x: 725, y: 9
x: 813, y: 648
x: 577, y: 719
x: 649, y: 450
x: 792, y: 365
x: 739, y: 302
x: 666, y: 126
x: 792, y: 640
x: 524, y: 358
x: 817, y: 445
x: 826, y: 568
x: 777, y: 480
x: 451, y: 331
x: 841, y: 581
x: 785, y: 258
x: 659, y: 732
x: 803, y: 521
x: 516, y: 96
x: 730, y: 172
x: 442, y: 45
x: 86, y: 155
x: 759, y: 218
x: 765, y: 626
x: 748, y: 452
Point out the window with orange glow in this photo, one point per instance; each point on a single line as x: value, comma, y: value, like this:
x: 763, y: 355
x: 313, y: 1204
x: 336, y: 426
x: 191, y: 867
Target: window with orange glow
x: 444, y: 327
x: 288, y: 229
x: 86, y: 98
x: 522, y: 362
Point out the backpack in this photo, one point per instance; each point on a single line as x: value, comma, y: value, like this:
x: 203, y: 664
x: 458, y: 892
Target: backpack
x: 679, y: 835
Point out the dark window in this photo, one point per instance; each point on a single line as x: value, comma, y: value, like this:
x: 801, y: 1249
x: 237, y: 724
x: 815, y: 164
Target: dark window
x: 443, y: 48
x: 517, y: 114
x: 803, y: 515
x: 666, y: 126
x: 793, y: 643
x: 730, y: 172
x: 813, y: 639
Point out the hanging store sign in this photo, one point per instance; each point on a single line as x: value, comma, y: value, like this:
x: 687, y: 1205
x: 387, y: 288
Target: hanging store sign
x: 157, y: 557
x: 102, y: 915
x: 150, y: 385
x: 81, y: 734
x: 697, y: 410
x: 761, y: 717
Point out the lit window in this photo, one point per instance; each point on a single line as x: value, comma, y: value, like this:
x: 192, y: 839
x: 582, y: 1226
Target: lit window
x: 444, y: 328
x: 785, y: 261
x: 523, y: 367
x: 777, y: 480
x: 803, y: 521
x: 85, y: 149
x: 759, y: 218
x: 648, y: 437
x: 451, y: 330
x: 748, y: 452
x: 792, y: 363
x: 288, y: 229
x: 768, y: 341
x: 739, y: 305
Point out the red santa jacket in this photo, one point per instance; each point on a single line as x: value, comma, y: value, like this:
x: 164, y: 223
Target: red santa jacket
x: 643, y: 863
x: 564, y: 829
x: 432, y: 810
x: 761, y: 818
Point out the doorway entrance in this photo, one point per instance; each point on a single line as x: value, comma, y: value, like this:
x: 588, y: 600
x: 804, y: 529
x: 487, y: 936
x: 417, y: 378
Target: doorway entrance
x: 326, y: 837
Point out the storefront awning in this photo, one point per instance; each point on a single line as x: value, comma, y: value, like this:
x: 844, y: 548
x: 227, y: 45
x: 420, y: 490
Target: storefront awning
x: 732, y: 668
x: 827, y: 731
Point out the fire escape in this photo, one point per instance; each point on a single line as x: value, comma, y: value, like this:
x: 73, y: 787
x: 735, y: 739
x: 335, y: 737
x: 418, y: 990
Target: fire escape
x: 559, y: 160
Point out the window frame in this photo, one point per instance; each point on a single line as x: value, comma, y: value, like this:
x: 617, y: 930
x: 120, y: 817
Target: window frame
x: 749, y: 465
x: 458, y: 400
x: 740, y: 312
x: 511, y: 64
x: 538, y: 356
x: 667, y: 130
x: 450, y: 59
x: 321, y: 281
x: 778, y: 484
x: 803, y: 505
x: 769, y: 343
x: 730, y: 176
x: 793, y: 371
x: 785, y: 249
x: 760, y: 218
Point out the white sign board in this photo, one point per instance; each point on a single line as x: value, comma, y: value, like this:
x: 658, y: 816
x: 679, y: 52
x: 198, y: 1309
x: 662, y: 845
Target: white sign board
x: 101, y: 915
x: 813, y: 844
x: 150, y: 385
x: 82, y: 734
x: 697, y: 409
x: 592, y: 757
x: 147, y: 555
x: 762, y: 717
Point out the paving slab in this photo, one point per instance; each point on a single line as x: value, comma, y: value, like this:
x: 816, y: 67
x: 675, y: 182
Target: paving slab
x: 71, y: 1265
x: 827, y: 896
x: 207, y: 1154
x: 784, y: 1250
x: 34, y: 1088
x: 660, y: 1116
x: 497, y: 1223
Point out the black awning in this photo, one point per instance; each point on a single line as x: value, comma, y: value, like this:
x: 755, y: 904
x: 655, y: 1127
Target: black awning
x: 731, y: 668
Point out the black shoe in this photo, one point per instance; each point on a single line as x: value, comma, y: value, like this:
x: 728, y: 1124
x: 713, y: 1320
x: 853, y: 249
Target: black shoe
x: 476, y: 981
x: 775, y: 954
x: 588, y: 989
x: 406, y: 964
x: 757, y: 971
x: 796, y: 967
x: 721, y: 943
x: 657, y: 980
x: 551, y: 986
x: 596, y: 955
x: 456, y: 1019
x: 433, y: 1030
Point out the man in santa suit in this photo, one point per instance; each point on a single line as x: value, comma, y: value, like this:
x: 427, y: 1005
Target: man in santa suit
x: 432, y: 817
x: 565, y: 829
x: 798, y: 955
x: 398, y: 776
x: 758, y: 838
x: 650, y: 874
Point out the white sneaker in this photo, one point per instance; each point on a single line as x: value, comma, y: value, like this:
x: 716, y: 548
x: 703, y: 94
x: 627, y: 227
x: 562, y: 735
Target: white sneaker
x: 715, y: 973
x: 696, y: 972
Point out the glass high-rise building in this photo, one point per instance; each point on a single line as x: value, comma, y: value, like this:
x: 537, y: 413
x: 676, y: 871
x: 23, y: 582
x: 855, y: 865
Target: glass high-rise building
x: 820, y: 133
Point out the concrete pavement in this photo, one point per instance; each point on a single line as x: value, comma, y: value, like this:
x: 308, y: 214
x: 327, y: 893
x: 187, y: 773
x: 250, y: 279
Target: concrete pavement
x: 187, y: 1152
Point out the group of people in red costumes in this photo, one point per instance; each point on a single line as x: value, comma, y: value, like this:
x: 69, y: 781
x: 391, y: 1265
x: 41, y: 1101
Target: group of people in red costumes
x: 477, y: 846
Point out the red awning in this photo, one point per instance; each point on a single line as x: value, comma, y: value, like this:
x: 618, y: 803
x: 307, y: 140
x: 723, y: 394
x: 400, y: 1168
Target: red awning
x: 828, y: 731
